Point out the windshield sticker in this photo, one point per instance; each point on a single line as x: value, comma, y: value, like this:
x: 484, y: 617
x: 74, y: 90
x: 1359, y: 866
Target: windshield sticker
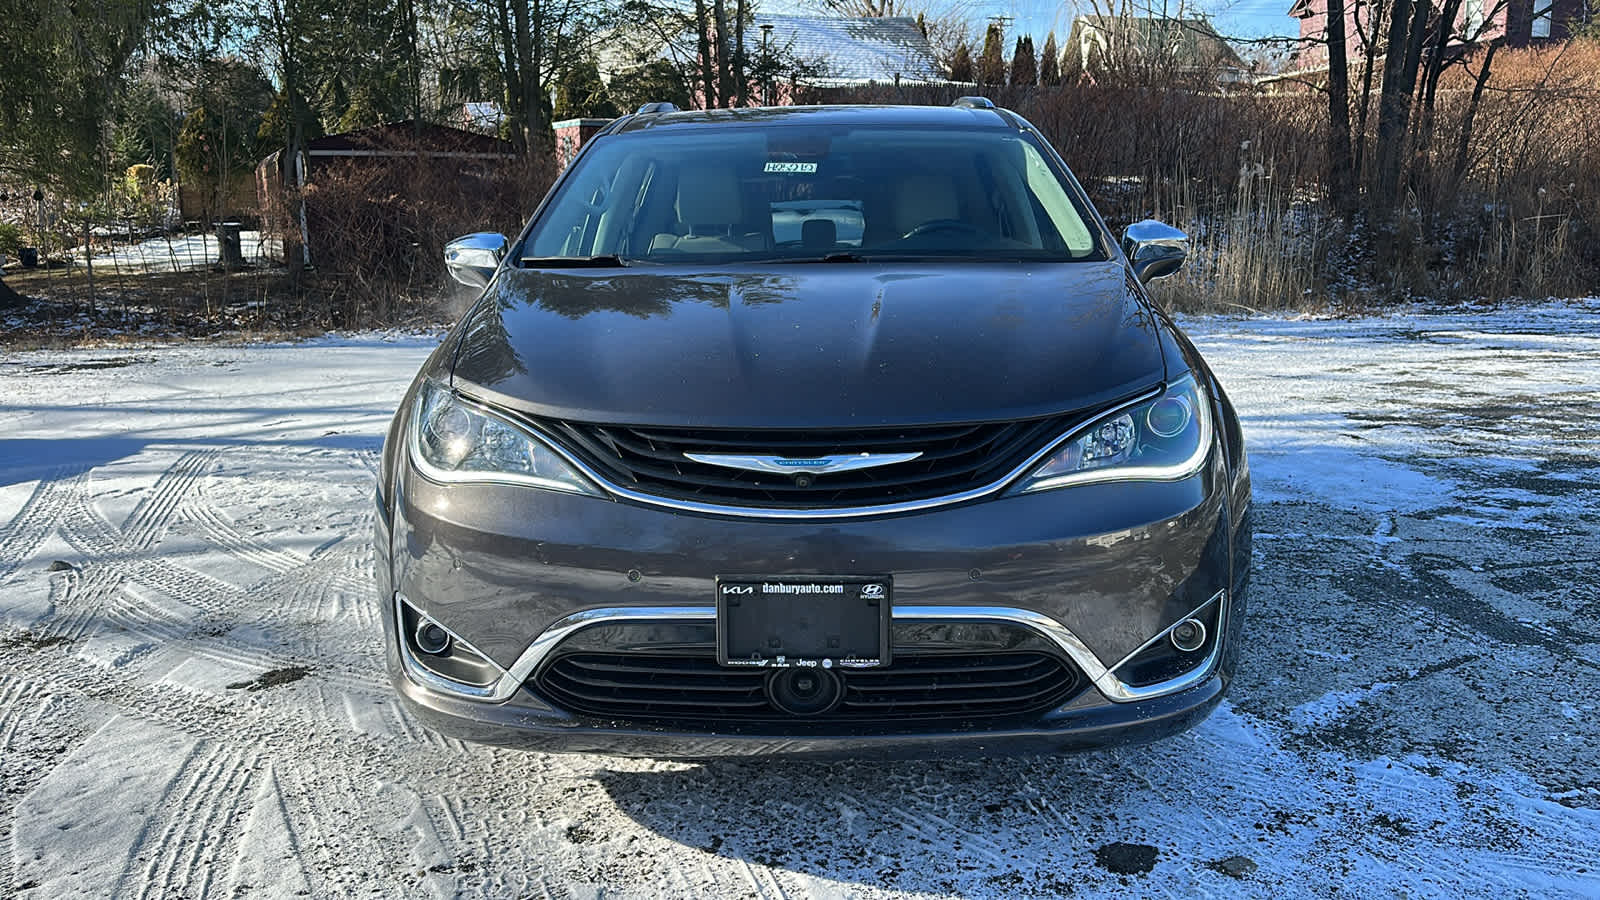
x: 789, y: 168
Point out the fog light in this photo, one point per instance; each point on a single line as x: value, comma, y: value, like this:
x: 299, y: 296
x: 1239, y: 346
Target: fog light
x: 1188, y: 635
x: 431, y: 638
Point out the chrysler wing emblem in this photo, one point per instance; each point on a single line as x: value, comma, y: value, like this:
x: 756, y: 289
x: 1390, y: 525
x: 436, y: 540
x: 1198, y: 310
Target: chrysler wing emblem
x: 817, y: 465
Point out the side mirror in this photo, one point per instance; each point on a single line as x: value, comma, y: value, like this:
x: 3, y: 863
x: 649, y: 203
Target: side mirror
x: 472, y: 259
x: 1155, y: 249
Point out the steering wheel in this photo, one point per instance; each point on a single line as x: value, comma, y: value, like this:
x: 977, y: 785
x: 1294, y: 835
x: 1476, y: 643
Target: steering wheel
x: 933, y: 226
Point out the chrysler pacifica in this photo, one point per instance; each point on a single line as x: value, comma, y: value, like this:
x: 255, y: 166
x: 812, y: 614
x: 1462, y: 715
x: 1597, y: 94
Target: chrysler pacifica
x: 828, y: 429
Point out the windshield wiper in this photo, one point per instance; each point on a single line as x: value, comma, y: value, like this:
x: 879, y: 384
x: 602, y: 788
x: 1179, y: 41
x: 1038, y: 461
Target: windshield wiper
x: 611, y: 261
x: 840, y: 257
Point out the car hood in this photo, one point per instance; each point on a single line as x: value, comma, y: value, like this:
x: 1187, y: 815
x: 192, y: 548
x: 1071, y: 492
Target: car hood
x: 813, y: 345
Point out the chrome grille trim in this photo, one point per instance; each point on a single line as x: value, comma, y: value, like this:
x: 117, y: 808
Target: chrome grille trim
x: 794, y: 513
x: 1103, y: 678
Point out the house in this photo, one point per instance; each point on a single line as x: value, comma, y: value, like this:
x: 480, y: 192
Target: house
x: 1099, y: 44
x: 1518, y: 23
x: 465, y: 160
x: 483, y: 117
x: 572, y: 134
x: 811, y: 55
x: 850, y: 51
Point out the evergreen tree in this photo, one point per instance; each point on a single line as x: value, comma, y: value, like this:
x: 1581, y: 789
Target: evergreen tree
x: 582, y: 95
x: 276, y: 124
x: 655, y: 81
x: 62, y: 77
x: 961, y: 64
x: 1024, y: 73
x: 1050, y: 64
x: 992, y: 64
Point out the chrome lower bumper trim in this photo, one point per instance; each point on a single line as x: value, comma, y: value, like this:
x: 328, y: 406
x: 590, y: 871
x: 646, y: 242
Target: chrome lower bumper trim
x: 433, y: 680
x: 1115, y: 689
x: 1103, y: 678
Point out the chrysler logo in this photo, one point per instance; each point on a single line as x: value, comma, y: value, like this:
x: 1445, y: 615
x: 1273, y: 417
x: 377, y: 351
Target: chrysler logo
x: 820, y: 465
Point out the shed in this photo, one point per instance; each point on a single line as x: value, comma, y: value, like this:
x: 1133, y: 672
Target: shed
x: 468, y: 157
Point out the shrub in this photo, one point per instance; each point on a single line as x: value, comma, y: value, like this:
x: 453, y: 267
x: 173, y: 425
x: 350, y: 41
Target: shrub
x: 378, y: 226
x: 1518, y: 215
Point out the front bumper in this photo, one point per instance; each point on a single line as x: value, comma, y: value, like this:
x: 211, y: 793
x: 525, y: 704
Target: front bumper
x: 1098, y: 572
x: 525, y: 723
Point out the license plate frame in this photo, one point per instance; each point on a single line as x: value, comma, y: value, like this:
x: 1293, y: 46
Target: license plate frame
x: 789, y: 621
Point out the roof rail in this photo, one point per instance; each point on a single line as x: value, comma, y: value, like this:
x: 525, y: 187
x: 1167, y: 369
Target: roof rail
x: 658, y: 107
x: 974, y: 103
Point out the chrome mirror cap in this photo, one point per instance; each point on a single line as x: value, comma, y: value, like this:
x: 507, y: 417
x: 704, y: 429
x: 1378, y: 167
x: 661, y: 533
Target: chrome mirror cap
x: 1155, y: 249
x: 472, y: 259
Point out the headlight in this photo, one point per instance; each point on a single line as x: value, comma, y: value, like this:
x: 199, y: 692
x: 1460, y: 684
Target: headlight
x: 453, y: 440
x: 1163, y: 439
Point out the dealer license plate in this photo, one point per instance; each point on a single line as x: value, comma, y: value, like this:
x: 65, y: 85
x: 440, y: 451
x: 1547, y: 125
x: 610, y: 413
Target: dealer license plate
x: 780, y: 622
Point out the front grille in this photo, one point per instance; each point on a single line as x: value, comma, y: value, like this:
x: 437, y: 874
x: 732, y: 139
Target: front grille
x: 691, y: 687
x: 955, y: 458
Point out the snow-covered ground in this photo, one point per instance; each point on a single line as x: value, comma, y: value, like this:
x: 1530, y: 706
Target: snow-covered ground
x: 181, y: 252
x: 191, y: 701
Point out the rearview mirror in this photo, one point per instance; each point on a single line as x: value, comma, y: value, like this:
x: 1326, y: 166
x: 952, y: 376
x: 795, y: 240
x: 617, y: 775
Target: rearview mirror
x: 1155, y: 249
x: 473, y: 258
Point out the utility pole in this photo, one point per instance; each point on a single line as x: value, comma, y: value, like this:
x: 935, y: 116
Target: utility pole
x: 766, y: 64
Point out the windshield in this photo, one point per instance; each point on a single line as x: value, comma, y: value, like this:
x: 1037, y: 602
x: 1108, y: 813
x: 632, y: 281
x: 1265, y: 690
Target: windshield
x: 807, y: 192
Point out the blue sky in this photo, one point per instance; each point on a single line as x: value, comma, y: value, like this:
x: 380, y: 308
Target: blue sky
x: 1234, y: 18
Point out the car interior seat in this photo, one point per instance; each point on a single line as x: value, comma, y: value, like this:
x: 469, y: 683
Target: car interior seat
x: 920, y: 199
x: 711, y: 215
x: 819, y: 234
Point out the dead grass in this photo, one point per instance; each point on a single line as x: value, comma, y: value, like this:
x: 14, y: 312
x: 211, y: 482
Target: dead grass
x: 1243, y: 174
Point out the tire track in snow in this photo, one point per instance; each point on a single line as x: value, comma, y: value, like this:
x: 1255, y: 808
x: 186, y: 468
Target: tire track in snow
x: 124, y: 555
x: 12, y: 693
x: 284, y: 731
x: 185, y: 781
x: 306, y: 605
x: 31, y: 710
x: 338, y: 822
x: 41, y: 513
x: 201, y: 823
x: 222, y: 533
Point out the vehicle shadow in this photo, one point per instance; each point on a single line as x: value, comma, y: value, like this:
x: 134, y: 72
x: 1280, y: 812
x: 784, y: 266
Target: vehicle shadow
x: 1012, y: 826
x: 30, y: 459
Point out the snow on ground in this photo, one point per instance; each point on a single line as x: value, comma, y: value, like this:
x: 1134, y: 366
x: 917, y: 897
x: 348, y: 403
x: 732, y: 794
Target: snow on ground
x: 187, y: 251
x: 192, y: 702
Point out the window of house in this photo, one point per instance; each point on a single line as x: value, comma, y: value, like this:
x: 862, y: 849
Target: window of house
x: 1542, y: 16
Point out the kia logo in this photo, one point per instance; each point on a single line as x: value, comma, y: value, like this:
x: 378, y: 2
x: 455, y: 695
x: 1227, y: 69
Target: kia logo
x: 738, y: 589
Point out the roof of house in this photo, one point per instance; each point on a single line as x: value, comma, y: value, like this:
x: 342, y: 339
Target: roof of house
x: 949, y: 117
x: 1192, y: 41
x: 854, y: 50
